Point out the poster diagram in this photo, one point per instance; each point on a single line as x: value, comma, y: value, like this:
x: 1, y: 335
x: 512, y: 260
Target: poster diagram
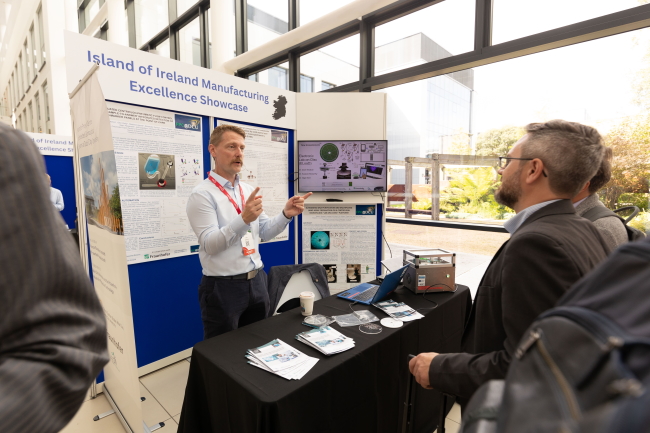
x: 151, y: 166
x: 266, y: 165
x: 158, y: 158
x: 341, y: 237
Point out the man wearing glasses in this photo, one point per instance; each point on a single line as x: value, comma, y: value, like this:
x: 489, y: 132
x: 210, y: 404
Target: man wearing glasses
x: 549, y: 249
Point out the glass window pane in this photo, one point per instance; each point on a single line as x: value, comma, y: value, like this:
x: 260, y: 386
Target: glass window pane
x: 485, y: 116
x: 335, y: 64
x: 306, y: 84
x: 91, y: 11
x: 210, y: 41
x: 29, y: 66
x: 41, y: 35
x: 39, y: 118
x: 277, y: 76
x: 189, y: 41
x: 151, y: 16
x: 325, y: 85
x: 512, y: 19
x: 314, y: 9
x: 34, y: 51
x: 442, y: 30
x: 163, y: 48
x: 30, y: 119
x: 183, y: 5
x: 267, y: 19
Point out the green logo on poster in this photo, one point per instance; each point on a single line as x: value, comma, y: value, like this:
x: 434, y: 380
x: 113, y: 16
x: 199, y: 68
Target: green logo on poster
x: 146, y: 256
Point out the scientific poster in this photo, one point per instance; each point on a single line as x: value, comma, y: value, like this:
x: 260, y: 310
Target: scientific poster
x: 342, y: 238
x: 266, y: 165
x: 159, y: 157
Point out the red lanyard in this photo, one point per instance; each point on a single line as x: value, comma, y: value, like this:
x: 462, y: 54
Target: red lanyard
x: 223, y: 190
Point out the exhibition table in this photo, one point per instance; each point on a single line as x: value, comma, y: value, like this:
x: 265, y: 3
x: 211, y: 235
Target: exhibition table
x: 360, y: 390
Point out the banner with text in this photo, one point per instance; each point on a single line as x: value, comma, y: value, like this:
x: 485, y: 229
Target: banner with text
x: 342, y: 238
x: 101, y: 198
x: 137, y: 77
x: 52, y: 145
x: 159, y: 160
x: 266, y: 165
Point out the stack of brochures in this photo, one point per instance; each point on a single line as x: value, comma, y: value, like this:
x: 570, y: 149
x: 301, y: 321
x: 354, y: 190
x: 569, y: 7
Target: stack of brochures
x: 398, y: 310
x: 279, y: 358
x: 326, y: 340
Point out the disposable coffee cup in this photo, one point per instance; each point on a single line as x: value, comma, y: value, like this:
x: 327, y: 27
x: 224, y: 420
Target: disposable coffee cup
x: 307, y: 303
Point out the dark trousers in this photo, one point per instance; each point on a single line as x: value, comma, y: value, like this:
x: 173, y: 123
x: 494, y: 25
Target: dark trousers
x: 231, y: 304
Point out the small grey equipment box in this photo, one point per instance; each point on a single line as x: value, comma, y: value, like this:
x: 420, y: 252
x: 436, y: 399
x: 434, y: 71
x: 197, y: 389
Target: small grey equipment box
x: 431, y: 270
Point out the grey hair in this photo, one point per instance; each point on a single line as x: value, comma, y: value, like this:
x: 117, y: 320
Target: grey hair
x: 571, y: 153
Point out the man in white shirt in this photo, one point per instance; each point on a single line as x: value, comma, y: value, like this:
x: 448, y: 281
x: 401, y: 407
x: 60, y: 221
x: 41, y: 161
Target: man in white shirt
x: 229, y: 220
x: 55, y: 195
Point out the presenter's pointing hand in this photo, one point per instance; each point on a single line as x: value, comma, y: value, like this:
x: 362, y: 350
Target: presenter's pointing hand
x: 295, y: 205
x: 253, y: 207
x: 419, y: 367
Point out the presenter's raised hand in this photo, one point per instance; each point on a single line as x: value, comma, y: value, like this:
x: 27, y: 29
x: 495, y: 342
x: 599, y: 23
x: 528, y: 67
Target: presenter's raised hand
x: 419, y: 367
x: 295, y: 205
x: 253, y: 207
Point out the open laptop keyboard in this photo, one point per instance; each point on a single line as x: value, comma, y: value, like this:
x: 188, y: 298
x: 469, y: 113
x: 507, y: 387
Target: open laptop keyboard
x: 366, y: 295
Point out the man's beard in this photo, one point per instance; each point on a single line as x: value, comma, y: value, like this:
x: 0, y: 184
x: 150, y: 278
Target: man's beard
x: 509, y: 192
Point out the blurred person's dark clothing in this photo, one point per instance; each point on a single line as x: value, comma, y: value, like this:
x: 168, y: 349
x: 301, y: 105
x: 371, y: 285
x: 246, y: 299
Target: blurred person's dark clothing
x: 551, y: 250
x: 52, y: 327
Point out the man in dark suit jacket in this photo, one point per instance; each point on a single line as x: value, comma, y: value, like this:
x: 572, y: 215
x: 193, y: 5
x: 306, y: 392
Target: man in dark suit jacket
x: 52, y: 327
x: 550, y: 248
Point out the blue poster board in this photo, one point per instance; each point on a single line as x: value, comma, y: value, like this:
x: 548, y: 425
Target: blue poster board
x: 60, y: 169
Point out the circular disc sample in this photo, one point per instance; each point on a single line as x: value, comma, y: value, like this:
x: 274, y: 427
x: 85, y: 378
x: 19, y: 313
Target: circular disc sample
x: 370, y: 328
x: 317, y: 320
x: 391, y: 323
x: 329, y: 152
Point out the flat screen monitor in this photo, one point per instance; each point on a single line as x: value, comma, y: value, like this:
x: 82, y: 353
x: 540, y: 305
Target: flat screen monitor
x: 342, y: 165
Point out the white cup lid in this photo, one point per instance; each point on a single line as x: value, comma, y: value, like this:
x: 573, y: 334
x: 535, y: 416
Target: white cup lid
x: 306, y: 294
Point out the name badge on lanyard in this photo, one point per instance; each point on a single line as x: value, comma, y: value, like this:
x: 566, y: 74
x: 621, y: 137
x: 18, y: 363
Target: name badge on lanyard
x: 248, y: 244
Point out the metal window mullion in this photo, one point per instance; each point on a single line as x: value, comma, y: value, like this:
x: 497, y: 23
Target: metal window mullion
x: 241, y: 26
x: 483, y: 24
x: 172, y: 11
x: 366, y: 52
x: 204, y: 34
x: 174, y: 49
x: 130, y: 15
x: 294, y: 14
x: 294, y: 72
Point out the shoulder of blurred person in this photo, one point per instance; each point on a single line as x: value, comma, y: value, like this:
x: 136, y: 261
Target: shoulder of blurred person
x: 610, y: 227
x: 53, y: 331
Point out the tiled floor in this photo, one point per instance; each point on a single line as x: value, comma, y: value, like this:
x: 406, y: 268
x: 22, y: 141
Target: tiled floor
x: 164, y: 389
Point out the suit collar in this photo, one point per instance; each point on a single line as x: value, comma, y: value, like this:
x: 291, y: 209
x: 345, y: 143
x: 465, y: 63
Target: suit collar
x: 559, y: 207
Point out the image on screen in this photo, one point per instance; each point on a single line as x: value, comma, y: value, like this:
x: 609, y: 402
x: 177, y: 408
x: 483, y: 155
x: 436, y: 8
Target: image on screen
x: 342, y: 165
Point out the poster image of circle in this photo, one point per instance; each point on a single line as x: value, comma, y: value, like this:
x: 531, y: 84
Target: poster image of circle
x: 353, y: 274
x: 320, y: 240
x: 329, y: 152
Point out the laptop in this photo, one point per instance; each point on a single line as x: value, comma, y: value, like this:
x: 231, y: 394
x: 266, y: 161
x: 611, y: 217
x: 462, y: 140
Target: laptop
x: 366, y: 293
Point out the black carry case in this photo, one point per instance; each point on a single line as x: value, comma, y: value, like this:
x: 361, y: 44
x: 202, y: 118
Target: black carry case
x: 583, y: 366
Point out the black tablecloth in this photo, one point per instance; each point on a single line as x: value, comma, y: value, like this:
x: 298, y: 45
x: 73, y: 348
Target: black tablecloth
x: 360, y: 390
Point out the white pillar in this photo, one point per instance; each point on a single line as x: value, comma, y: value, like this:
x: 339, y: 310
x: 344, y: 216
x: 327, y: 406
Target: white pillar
x: 53, y: 16
x: 222, y: 33
x: 117, y: 29
x: 71, y: 19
